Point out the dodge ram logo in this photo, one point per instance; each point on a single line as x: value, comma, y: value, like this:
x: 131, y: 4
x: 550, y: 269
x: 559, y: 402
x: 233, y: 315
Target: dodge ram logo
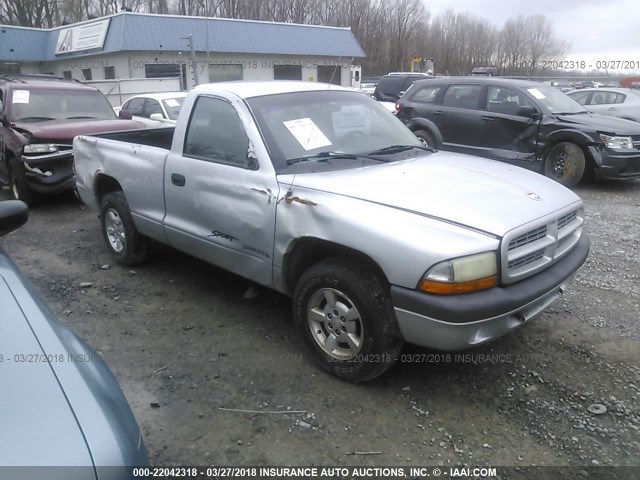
x: 532, y: 196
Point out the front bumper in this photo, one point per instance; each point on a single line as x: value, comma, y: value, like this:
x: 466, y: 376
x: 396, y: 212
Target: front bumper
x: 50, y: 175
x: 614, y: 165
x: 455, y: 322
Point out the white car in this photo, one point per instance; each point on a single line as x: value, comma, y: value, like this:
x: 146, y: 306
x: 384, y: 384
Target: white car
x: 368, y: 87
x: 154, y: 109
x: 389, y: 106
x: 615, y: 102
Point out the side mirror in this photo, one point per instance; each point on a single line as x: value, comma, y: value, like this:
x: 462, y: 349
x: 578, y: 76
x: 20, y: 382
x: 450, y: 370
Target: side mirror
x: 158, y: 117
x: 125, y: 115
x: 13, y: 214
x: 527, y: 111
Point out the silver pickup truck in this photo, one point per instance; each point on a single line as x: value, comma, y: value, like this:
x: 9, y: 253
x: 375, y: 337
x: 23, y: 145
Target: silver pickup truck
x: 320, y: 193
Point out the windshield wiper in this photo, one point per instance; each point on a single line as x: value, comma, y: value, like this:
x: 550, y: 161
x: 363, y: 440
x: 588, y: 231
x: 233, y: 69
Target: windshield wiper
x: 572, y: 113
x: 80, y: 116
x: 400, y: 148
x: 34, y: 118
x: 325, y: 156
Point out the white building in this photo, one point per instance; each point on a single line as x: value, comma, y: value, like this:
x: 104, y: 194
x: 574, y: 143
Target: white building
x: 137, y: 46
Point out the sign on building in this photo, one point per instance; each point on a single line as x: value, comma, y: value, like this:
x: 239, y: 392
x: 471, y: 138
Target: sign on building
x: 82, y: 37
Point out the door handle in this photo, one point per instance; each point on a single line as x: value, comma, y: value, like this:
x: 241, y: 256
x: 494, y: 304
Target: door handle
x: 178, y: 179
x: 612, y: 108
x: 438, y: 112
x: 488, y: 118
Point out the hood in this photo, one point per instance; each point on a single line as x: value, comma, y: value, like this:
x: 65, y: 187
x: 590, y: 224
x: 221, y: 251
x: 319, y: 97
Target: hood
x: 602, y: 123
x: 482, y: 194
x: 38, y: 425
x: 56, y: 130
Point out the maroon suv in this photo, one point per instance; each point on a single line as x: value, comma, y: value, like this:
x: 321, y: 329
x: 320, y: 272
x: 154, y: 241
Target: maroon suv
x: 39, y: 116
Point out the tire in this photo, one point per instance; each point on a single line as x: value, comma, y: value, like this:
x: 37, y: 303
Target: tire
x: 565, y: 163
x: 18, y: 184
x: 426, y: 137
x: 119, y: 232
x: 368, y: 320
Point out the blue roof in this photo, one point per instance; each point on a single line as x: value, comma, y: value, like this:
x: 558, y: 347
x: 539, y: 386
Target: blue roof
x: 130, y: 31
x: 22, y: 44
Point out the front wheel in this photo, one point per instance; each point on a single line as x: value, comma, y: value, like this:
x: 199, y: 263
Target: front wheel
x: 18, y: 184
x: 119, y: 232
x: 343, y: 313
x: 565, y: 163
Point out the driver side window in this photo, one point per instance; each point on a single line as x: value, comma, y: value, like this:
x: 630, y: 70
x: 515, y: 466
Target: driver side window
x: 135, y: 106
x: 505, y: 100
x: 216, y: 133
x: 152, y: 106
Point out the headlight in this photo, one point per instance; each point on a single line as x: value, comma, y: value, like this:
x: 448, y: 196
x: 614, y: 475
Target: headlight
x: 462, y: 275
x: 40, y: 148
x: 617, y: 143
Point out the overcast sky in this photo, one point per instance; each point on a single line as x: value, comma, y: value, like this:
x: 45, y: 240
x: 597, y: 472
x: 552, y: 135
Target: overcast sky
x: 595, y: 29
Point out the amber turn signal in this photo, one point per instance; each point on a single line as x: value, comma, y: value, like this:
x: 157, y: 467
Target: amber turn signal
x: 449, y: 288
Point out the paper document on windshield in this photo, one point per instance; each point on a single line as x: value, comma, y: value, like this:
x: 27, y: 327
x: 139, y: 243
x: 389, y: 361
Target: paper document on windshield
x: 536, y: 93
x: 307, y: 133
x: 172, y: 102
x: 21, y: 96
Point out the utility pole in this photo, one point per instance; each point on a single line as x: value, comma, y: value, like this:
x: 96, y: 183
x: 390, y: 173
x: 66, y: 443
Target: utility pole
x: 206, y: 22
x: 194, y: 65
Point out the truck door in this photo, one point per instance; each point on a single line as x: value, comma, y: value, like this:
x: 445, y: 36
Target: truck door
x: 220, y: 192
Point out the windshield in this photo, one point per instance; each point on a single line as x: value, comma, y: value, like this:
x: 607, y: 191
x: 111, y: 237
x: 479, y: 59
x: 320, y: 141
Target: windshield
x: 172, y: 106
x: 554, y: 101
x: 305, y: 124
x: 39, y: 105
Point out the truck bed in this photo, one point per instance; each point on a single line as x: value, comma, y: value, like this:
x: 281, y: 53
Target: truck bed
x: 136, y: 158
x: 154, y: 137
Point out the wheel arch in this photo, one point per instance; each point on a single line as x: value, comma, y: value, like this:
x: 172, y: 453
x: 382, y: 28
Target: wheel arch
x: 303, y: 252
x: 426, y: 124
x: 105, y: 184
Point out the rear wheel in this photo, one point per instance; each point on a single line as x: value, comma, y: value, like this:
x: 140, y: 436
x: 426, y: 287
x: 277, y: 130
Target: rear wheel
x: 565, y: 163
x: 119, y: 232
x: 426, y: 137
x: 343, y: 313
x: 18, y: 184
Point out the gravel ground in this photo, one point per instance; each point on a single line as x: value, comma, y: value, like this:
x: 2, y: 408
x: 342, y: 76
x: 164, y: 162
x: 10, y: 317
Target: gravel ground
x: 188, y: 342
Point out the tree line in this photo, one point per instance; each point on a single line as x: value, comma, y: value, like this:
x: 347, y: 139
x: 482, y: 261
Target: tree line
x: 391, y: 32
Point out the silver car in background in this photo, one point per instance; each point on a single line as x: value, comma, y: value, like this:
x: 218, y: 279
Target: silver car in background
x: 62, y: 412
x: 614, y: 102
x: 159, y: 109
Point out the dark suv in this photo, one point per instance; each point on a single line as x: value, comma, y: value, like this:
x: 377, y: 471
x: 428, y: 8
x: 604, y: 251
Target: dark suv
x: 391, y: 87
x: 39, y: 116
x: 524, y: 123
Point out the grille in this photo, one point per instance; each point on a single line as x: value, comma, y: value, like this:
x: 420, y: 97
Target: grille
x: 562, y: 241
x: 526, y: 260
x: 526, y: 251
x: 567, y: 219
x: 528, y: 237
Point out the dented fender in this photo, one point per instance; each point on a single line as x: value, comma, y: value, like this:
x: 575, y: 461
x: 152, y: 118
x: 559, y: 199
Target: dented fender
x: 402, y: 244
